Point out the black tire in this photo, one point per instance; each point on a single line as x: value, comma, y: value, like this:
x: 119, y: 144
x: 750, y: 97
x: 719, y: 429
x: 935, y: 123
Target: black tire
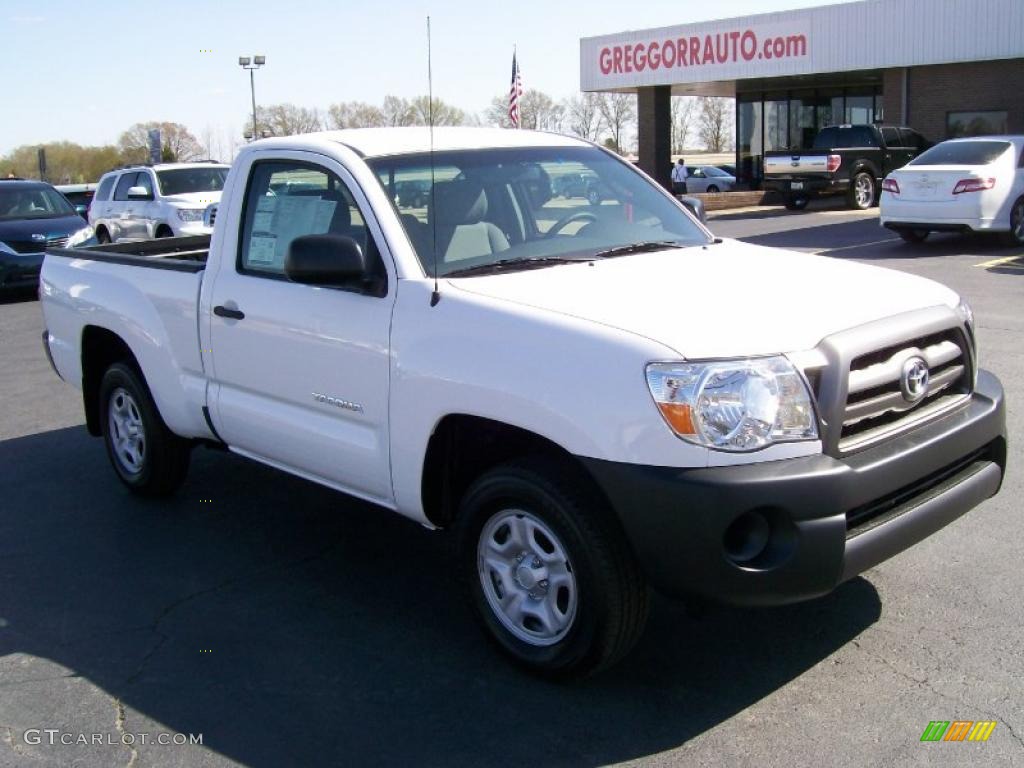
x: 163, y: 456
x: 1015, y: 237
x: 797, y: 202
x: 863, y: 191
x: 594, y: 197
x: 913, y: 235
x: 712, y: 189
x: 164, y: 231
x: 610, y: 607
x: 102, y: 236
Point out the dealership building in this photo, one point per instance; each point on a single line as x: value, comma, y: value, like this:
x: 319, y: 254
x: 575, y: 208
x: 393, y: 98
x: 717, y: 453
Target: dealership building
x: 944, y: 67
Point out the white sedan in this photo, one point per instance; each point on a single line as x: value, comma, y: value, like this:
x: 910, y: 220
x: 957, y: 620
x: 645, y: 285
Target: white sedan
x: 960, y: 185
x: 708, y: 178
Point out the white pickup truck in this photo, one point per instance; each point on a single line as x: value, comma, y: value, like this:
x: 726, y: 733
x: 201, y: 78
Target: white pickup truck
x: 595, y: 398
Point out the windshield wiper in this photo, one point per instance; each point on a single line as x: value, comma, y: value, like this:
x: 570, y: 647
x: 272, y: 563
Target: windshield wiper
x: 509, y: 264
x: 644, y: 247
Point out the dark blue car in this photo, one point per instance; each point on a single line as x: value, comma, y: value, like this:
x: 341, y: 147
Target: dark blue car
x: 33, y: 217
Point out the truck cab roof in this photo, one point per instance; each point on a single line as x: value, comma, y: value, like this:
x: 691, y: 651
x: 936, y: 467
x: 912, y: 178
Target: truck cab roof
x: 379, y: 142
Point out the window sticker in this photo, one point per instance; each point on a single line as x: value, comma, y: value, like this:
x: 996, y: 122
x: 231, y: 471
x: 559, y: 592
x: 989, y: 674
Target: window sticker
x: 263, y: 221
x: 262, y: 249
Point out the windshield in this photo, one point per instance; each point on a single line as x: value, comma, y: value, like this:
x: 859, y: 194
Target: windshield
x: 710, y: 170
x: 534, y: 205
x: 181, y: 181
x: 962, y: 153
x: 33, y: 203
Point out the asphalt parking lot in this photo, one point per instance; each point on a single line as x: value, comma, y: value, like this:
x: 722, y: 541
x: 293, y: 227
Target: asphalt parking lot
x: 292, y: 626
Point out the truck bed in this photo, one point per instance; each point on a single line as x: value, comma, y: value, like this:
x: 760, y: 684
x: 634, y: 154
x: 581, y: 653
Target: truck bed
x: 182, y: 254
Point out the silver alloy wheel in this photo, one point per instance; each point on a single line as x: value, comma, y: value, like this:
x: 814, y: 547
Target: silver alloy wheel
x: 863, y: 190
x: 126, y: 430
x: 527, y: 577
x: 1017, y: 221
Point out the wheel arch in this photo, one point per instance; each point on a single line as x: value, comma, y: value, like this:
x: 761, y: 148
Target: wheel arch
x: 864, y: 164
x: 462, y: 447
x: 101, y: 348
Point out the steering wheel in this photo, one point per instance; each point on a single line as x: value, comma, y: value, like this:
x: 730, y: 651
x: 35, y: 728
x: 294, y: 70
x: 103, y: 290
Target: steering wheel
x: 559, y: 225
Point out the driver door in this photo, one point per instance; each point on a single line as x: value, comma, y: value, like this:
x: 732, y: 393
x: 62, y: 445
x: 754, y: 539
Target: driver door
x: 301, y: 373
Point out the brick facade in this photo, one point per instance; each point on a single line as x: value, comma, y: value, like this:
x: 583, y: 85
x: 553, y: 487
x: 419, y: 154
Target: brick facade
x: 935, y: 90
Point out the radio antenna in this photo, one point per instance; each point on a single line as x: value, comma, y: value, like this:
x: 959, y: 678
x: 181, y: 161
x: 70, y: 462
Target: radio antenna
x: 436, y: 295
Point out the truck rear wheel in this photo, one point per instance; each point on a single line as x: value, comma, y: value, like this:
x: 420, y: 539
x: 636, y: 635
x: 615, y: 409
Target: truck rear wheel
x: 862, y: 191
x: 547, y: 570
x: 147, y: 457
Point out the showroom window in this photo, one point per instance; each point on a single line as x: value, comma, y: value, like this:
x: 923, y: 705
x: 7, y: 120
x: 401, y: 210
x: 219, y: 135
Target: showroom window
x: 975, y: 123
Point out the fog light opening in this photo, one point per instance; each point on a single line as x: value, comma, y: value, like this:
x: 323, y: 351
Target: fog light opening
x: 747, y: 538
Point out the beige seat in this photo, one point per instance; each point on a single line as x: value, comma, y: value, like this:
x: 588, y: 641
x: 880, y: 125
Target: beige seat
x: 457, y: 211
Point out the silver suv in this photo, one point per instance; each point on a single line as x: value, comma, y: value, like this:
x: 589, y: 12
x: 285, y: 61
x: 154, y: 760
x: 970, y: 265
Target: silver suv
x: 143, y: 202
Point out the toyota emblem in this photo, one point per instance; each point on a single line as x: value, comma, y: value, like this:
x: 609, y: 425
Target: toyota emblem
x: 914, y: 379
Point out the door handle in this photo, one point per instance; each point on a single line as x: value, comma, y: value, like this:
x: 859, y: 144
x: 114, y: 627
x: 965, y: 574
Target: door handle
x: 234, y: 314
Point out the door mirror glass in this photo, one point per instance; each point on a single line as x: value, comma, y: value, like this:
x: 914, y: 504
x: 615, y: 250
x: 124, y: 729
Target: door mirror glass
x: 325, y: 260
x: 82, y: 210
x: 139, y: 193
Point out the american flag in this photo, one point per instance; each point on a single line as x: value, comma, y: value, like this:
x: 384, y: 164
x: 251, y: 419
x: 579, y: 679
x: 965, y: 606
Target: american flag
x: 515, y: 91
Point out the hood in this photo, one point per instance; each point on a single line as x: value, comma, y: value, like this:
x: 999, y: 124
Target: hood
x: 21, y: 230
x: 726, y: 300
x: 195, y: 199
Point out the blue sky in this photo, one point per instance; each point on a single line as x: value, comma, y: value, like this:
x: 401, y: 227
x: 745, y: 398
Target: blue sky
x: 85, y: 71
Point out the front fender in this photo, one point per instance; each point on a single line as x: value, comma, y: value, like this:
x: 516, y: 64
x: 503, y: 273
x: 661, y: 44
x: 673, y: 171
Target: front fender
x: 577, y: 384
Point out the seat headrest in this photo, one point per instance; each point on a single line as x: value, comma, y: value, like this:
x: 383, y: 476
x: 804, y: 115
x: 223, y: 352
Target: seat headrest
x: 458, y: 202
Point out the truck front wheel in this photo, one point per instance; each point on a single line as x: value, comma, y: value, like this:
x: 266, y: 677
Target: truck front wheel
x: 549, y: 574
x: 862, y: 191
x: 147, y: 457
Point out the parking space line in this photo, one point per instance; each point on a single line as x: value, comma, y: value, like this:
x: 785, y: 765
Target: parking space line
x: 1005, y: 261
x: 857, y: 245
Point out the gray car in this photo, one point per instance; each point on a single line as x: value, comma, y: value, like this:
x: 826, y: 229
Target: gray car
x: 708, y: 178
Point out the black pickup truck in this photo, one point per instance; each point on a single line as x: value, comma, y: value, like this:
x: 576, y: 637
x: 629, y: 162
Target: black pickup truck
x: 844, y: 159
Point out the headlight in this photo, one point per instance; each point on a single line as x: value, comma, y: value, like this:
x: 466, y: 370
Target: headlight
x: 734, y: 405
x: 80, y: 237
x: 190, y: 214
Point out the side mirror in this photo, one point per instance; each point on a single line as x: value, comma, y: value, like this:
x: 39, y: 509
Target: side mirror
x: 82, y: 210
x: 139, y: 193
x: 324, y: 260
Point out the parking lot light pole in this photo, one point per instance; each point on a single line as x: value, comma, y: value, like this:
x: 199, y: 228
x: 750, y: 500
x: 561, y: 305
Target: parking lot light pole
x: 252, y: 65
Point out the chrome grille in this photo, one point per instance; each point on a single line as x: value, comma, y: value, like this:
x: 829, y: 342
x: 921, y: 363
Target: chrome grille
x: 57, y: 242
x: 875, y: 404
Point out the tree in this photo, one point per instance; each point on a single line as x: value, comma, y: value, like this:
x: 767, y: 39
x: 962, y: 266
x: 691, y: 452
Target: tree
x: 286, y: 120
x: 714, y: 124
x: 497, y: 113
x: 66, y: 163
x: 684, y: 116
x: 444, y: 114
x: 177, y: 142
x: 583, y: 116
x: 398, y: 111
x: 619, y: 113
x: 354, y: 114
x: 537, y: 111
